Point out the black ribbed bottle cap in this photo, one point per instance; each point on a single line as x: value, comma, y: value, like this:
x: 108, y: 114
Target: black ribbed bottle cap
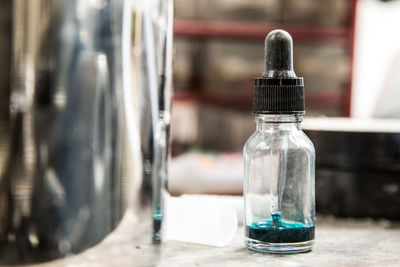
x: 279, y: 90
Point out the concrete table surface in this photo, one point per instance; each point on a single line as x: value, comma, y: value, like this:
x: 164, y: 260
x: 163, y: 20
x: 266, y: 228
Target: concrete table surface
x: 339, y: 242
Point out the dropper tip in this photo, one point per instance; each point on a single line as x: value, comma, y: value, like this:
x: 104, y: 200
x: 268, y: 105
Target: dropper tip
x: 279, y: 35
x: 279, y: 55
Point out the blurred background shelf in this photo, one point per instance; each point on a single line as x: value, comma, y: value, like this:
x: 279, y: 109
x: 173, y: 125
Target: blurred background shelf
x: 257, y: 31
x: 219, y: 50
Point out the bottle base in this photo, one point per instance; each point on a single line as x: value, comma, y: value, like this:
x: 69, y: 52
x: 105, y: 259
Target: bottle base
x: 279, y: 248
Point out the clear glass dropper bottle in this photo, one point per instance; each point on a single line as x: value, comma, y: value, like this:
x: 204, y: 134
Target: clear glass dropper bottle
x: 279, y: 182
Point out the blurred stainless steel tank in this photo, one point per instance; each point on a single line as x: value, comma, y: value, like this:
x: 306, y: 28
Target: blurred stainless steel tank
x: 62, y: 185
x: 76, y: 76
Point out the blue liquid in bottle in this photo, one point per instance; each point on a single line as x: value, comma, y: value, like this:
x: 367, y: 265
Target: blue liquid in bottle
x: 278, y: 231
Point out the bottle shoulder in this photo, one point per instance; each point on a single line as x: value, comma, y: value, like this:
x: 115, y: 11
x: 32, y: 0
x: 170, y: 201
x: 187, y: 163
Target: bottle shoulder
x: 307, y: 140
x: 283, y: 139
x: 251, y: 142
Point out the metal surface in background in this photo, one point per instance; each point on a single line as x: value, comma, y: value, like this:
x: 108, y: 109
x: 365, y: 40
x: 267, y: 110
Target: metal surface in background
x: 357, y: 172
x: 61, y: 128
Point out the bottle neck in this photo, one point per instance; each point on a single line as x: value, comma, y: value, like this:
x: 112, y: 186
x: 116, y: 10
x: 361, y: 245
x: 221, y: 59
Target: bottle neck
x: 283, y: 121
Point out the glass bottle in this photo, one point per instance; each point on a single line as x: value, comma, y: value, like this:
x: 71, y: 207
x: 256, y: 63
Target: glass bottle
x: 279, y: 182
x: 279, y: 186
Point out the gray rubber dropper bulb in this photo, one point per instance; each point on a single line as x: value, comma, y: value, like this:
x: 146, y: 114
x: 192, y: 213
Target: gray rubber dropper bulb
x: 278, y: 55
